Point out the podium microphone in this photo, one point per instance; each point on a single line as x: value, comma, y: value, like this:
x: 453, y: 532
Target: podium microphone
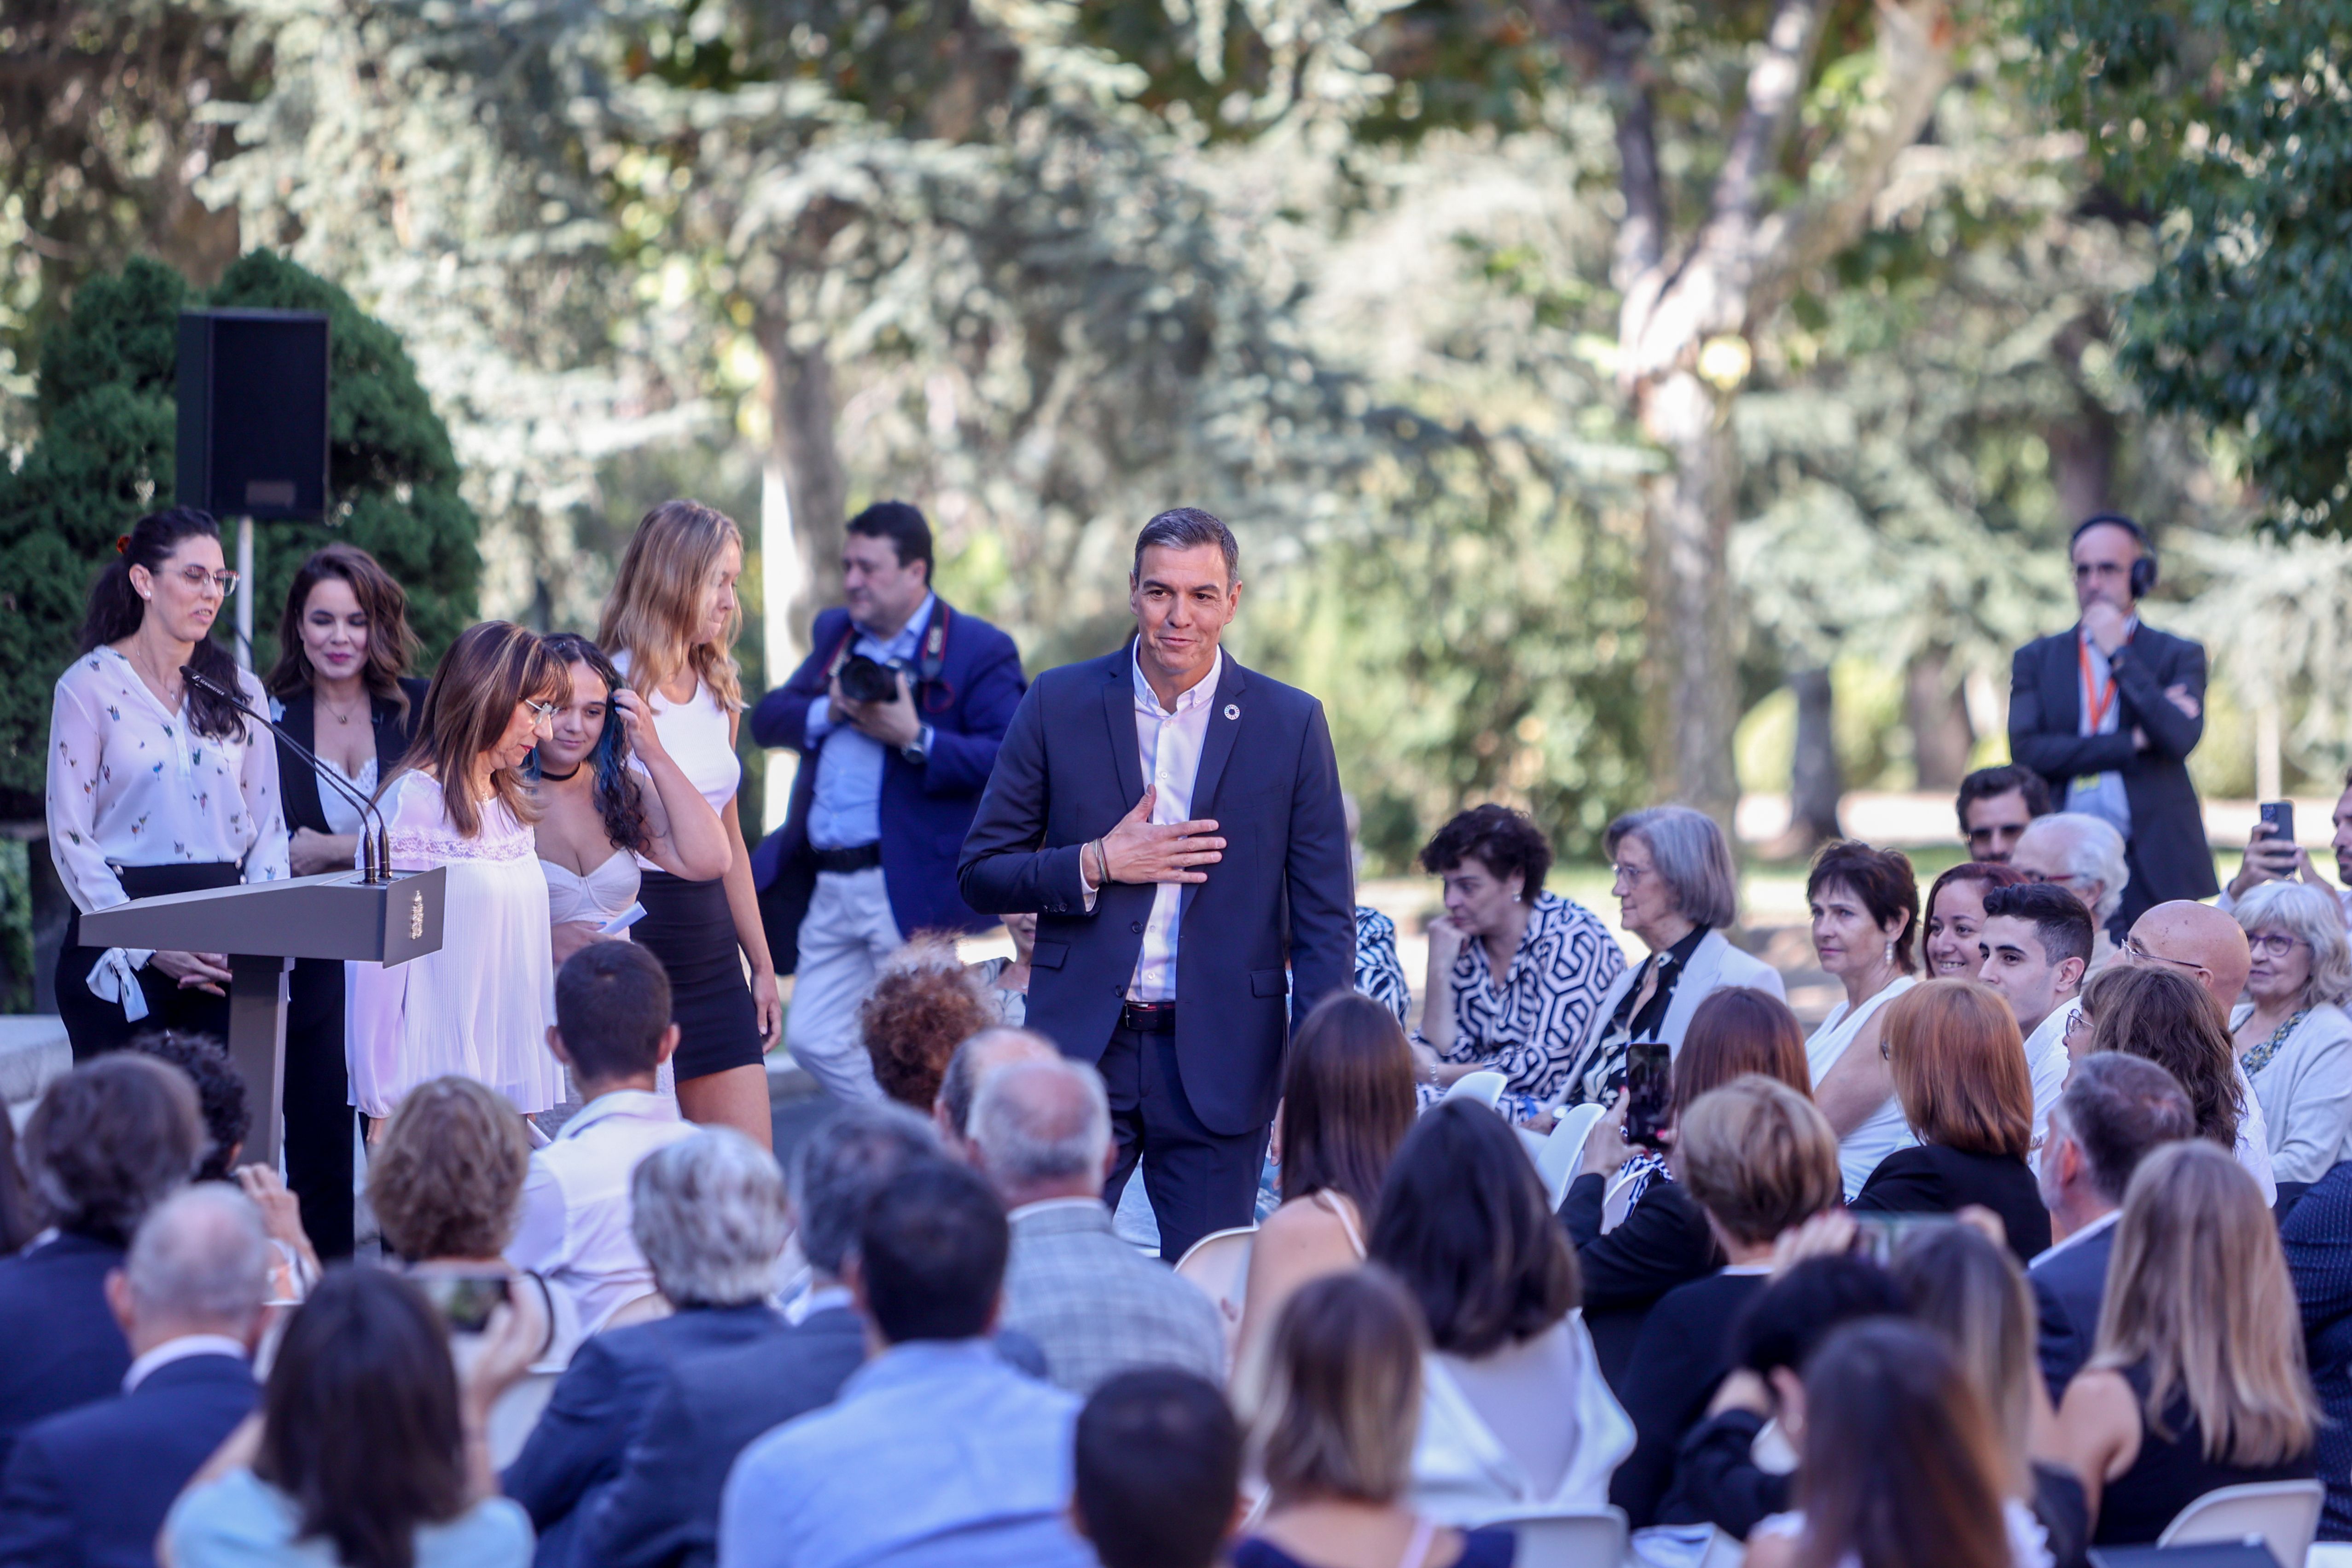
x: 375, y: 851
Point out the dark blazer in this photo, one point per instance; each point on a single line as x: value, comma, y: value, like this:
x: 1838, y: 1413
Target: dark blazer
x: 1683, y: 1352
x: 1664, y: 1242
x: 1284, y: 889
x: 663, y: 1508
x: 1930, y: 1178
x: 64, y: 1349
x: 298, y: 787
x: 89, y: 1489
x: 926, y: 810
x: 2318, y: 1241
x: 2169, y: 855
x: 600, y: 1403
x: 2069, y: 1286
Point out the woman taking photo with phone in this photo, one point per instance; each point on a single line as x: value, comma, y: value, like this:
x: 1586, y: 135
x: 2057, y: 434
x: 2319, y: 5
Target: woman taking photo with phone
x: 155, y: 786
x: 668, y: 624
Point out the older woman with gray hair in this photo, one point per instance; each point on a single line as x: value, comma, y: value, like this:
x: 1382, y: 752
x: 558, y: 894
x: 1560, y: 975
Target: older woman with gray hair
x: 2293, y: 1037
x: 1677, y: 889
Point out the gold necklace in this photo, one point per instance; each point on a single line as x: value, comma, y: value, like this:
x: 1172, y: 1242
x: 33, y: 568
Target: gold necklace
x: 343, y: 717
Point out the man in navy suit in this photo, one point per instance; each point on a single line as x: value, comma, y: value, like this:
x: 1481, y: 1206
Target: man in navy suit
x: 886, y: 786
x: 1160, y: 957
x: 2116, y: 1108
x: 89, y: 1489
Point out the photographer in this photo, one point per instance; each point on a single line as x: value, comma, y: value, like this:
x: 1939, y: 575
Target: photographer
x: 898, y: 715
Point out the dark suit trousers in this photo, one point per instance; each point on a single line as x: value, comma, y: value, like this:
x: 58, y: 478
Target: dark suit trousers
x: 1199, y: 1181
x: 319, y: 1126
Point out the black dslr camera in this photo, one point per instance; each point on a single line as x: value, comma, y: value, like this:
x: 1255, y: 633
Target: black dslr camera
x: 863, y: 679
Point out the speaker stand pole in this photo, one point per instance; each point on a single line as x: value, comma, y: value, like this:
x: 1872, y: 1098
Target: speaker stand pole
x: 245, y: 600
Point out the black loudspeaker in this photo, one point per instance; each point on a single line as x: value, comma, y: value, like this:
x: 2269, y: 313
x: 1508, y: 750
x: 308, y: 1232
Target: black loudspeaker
x: 253, y: 413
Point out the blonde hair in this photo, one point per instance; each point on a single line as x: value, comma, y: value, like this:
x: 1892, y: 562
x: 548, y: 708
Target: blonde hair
x: 1969, y: 1289
x: 2198, y: 1289
x: 655, y: 605
x: 1343, y: 1401
x: 445, y: 1179
x: 1758, y: 1157
x: 1958, y: 1066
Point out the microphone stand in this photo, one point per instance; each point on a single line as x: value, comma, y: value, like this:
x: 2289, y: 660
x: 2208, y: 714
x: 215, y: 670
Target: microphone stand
x: 375, y: 851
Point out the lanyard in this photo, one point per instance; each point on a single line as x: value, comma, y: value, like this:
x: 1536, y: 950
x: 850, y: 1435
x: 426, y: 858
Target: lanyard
x: 2100, y: 703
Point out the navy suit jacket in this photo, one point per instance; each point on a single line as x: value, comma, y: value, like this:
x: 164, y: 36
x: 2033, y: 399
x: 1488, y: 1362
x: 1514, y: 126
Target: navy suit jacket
x: 89, y: 1489
x: 597, y: 1405
x: 1283, y: 892
x: 663, y: 1510
x: 925, y: 810
x: 2317, y: 1236
x: 2069, y: 1285
x: 63, y: 1347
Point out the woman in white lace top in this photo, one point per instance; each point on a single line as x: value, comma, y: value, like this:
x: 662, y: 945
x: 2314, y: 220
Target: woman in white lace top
x: 480, y: 1005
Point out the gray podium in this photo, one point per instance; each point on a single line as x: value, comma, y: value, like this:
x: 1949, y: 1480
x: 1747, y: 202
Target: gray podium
x: 262, y: 926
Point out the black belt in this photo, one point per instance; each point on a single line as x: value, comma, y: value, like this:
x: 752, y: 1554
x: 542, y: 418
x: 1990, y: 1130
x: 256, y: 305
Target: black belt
x: 865, y: 858
x: 1147, y: 1017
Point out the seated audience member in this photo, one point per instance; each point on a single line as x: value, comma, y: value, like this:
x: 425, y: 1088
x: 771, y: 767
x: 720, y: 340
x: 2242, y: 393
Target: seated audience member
x: 1997, y: 805
x: 1515, y: 1416
x: 2166, y: 1017
x: 2085, y: 855
x: 19, y: 1215
x: 935, y: 1452
x: 1677, y: 890
x: 1517, y: 975
x: 2294, y: 1040
x: 1865, y: 914
x: 1959, y: 1072
x: 971, y: 1061
x: 1967, y: 1286
x: 1956, y: 915
x: 2196, y: 939
x: 612, y: 1030
x: 220, y: 1095
x: 1005, y: 981
x: 1890, y: 1414
x: 1757, y: 1159
x: 1347, y: 1102
x: 2317, y: 1237
x: 2197, y: 1381
x: 1040, y: 1134
x: 708, y: 1212
x: 368, y: 1450
x: 108, y: 1141
x: 2270, y: 859
x: 1156, y: 1471
x: 1336, y: 1439
x: 91, y: 1487
x: 663, y: 1508
x: 924, y: 1003
x: 1378, y: 973
x: 2117, y: 1108
x: 2033, y: 947
x: 1717, y: 1478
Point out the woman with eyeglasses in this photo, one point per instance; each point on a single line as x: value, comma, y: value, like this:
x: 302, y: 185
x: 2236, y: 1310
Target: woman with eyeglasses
x: 478, y: 1006
x: 2294, y: 1038
x: 155, y: 786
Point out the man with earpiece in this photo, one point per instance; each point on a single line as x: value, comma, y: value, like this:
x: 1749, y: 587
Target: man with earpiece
x: 2108, y: 712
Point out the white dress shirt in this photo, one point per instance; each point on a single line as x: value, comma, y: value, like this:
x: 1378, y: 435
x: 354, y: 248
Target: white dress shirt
x: 2047, y: 1063
x: 575, y: 1202
x: 1168, y: 746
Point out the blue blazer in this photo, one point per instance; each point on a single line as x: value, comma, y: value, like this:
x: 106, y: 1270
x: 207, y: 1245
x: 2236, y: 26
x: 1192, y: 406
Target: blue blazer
x: 89, y: 1489
x: 1283, y: 895
x: 925, y: 810
x: 64, y: 1348
x: 2317, y: 1237
x: 2068, y: 1286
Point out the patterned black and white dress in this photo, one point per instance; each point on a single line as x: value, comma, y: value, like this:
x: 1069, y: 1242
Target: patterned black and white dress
x: 1528, y: 1028
x: 1378, y: 974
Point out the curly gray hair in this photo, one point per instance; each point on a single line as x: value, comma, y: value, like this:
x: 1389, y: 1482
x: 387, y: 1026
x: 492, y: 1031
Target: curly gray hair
x: 2312, y: 916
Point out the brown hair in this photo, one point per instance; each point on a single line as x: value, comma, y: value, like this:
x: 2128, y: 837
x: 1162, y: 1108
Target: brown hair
x: 491, y: 666
x: 1347, y: 1102
x: 390, y: 645
x: 1881, y: 879
x: 1991, y: 873
x: 1343, y: 1400
x: 1959, y: 1065
x: 2173, y: 1020
x: 110, y: 1141
x: 656, y: 605
x: 1758, y: 1157
x: 924, y: 1004
x: 1735, y: 1031
x: 445, y: 1180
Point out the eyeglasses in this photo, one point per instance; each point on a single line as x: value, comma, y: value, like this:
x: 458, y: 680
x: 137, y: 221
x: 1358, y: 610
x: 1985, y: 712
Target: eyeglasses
x: 2137, y: 951
x: 2061, y: 879
x: 540, y: 713
x: 1630, y: 875
x: 2274, y: 944
x: 197, y: 577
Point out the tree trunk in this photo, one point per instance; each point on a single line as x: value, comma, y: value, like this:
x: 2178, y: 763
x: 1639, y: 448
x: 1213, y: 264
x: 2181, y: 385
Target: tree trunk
x: 1815, y: 781
x: 2082, y: 448
x: 802, y: 413
x: 1695, y: 703
x: 1941, y: 736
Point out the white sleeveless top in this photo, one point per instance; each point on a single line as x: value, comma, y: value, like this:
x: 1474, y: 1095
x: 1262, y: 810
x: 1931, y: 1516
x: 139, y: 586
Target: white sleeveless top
x: 1884, y: 1131
x: 694, y: 732
x: 595, y: 897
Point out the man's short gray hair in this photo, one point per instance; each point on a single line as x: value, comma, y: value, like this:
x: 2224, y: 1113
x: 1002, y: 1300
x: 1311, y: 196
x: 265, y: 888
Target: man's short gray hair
x: 708, y: 1213
x: 2304, y: 911
x: 839, y: 1167
x: 1186, y: 527
x: 2089, y: 848
x: 961, y: 1081
x: 200, y: 1256
x: 1042, y: 1122
x: 1691, y: 857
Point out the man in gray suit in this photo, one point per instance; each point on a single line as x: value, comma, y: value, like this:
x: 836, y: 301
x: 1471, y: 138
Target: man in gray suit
x: 1041, y: 1133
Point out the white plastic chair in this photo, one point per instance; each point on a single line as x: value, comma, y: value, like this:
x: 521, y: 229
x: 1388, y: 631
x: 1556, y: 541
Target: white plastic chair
x: 1568, y: 1539
x: 1219, y: 1264
x: 1564, y: 1149
x: 1484, y: 1085
x: 2284, y: 1514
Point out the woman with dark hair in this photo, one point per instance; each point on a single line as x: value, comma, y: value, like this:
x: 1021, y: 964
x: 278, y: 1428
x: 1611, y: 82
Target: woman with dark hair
x: 1515, y: 1417
x: 341, y: 687
x: 479, y: 1006
x: 596, y: 814
x: 1866, y: 910
x: 1956, y: 912
x: 1516, y: 975
x: 155, y: 786
x: 1347, y: 1103
x: 367, y: 1452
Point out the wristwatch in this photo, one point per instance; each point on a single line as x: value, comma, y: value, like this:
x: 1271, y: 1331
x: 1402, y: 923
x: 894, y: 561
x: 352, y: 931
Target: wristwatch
x: 918, y: 751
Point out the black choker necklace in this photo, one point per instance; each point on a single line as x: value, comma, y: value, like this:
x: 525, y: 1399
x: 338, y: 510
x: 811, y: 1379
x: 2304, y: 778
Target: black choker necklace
x: 563, y: 778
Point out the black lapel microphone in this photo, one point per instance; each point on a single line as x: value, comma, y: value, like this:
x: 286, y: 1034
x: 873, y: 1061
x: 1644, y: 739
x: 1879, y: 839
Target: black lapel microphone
x: 375, y: 849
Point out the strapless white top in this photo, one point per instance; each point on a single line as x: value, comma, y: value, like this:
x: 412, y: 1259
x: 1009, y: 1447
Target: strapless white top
x: 595, y: 897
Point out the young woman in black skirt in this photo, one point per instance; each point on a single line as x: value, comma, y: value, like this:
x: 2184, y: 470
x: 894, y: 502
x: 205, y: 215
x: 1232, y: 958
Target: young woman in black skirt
x: 669, y: 624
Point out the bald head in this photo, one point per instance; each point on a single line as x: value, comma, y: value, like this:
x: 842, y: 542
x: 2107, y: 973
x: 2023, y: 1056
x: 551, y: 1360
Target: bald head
x: 974, y: 1060
x: 1041, y: 1130
x: 2197, y: 939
